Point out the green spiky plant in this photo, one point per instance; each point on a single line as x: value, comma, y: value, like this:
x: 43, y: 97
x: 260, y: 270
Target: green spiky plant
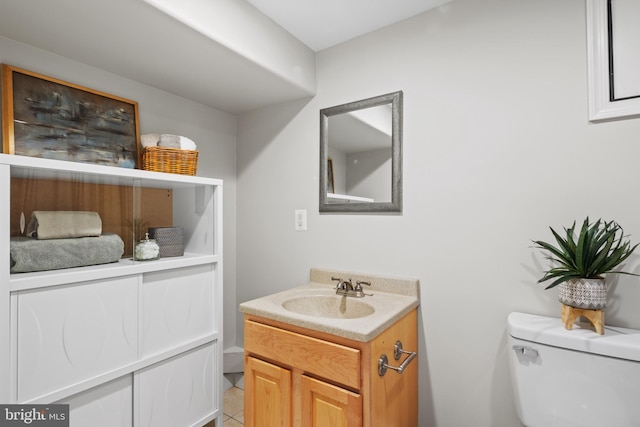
x: 601, y: 247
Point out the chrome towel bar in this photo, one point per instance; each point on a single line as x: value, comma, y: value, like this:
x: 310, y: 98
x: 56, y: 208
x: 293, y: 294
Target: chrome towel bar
x: 398, y: 351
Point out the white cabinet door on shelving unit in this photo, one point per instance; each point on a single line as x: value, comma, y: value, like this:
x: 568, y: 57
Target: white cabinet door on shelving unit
x: 178, y: 391
x: 177, y: 307
x: 67, y: 334
x: 108, y: 405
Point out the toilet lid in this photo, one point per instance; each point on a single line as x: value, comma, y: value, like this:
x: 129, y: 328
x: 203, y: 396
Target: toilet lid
x: 622, y: 343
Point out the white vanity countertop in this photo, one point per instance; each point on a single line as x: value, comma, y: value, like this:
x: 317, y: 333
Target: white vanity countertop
x: 391, y: 300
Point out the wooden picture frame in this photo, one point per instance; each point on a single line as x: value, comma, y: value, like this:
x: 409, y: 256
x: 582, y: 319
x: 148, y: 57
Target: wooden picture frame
x: 50, y: 118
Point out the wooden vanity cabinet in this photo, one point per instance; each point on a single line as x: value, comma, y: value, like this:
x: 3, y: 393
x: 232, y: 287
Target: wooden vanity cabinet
x: 296, y: 376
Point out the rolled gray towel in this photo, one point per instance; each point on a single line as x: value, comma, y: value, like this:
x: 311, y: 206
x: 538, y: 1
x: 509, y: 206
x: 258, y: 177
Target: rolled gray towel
x: 169, y: 141
x: 39, y: 255
x: 64, y: 224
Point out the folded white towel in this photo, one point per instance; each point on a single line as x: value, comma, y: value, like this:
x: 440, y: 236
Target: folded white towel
x: 149, y: 140
x: 167, y: 140
x: 64, y: 224
x: 187, y: 144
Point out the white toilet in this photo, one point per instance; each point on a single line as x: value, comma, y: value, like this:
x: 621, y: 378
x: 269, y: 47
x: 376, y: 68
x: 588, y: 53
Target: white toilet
x: 573, y: 378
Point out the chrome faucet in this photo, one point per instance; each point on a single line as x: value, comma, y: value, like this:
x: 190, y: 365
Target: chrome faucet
x: 346, y: 288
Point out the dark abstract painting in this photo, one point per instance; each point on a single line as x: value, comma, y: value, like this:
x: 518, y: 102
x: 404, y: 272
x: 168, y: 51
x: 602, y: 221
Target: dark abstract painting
x: 55, y: 120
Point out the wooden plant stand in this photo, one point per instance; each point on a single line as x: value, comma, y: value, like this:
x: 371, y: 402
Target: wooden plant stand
x: 570, y: 314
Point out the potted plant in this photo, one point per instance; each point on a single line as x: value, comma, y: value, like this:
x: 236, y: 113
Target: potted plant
x: 600, y: 248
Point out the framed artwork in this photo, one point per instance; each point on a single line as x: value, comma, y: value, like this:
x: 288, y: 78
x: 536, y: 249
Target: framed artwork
x: 331, y: 188
x: 49, y: 118
x: 613, y: 59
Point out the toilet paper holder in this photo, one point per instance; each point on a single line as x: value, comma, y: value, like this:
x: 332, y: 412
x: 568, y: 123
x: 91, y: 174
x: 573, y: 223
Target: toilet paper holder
x: 398, y: 351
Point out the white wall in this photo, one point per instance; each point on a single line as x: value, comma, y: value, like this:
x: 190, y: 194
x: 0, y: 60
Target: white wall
x: 160, y: 112
x: 497, y: 147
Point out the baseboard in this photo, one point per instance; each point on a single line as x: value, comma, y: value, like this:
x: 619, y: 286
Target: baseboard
x: 233, y: 360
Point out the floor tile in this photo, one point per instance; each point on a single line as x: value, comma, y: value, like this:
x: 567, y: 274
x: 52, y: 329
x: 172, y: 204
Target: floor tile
x: 232, y: 423
x: 234, y: 407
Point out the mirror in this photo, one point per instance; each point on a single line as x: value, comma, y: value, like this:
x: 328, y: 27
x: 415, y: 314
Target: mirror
x: 361, y: 155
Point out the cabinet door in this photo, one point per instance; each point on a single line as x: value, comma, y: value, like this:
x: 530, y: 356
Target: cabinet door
x: 267, y: 394
x: 177, y: 306
x: 325, y: 405
x: 68, y: 334
x: 108, y: 405
x: 181, y: 391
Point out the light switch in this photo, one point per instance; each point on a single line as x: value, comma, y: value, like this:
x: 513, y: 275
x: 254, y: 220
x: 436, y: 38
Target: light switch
x: 300, y: 219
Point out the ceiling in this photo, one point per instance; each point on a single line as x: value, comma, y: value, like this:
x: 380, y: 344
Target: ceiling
x: 324, y: 23
x: 135, y: 40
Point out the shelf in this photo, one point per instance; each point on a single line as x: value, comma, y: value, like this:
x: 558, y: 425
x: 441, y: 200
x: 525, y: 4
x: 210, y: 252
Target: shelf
x: 125, y: 267
x: 123, y: 198
x: 37, y: 168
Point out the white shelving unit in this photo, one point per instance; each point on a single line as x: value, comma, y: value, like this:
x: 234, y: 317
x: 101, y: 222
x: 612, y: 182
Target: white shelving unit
x: 130, y: 343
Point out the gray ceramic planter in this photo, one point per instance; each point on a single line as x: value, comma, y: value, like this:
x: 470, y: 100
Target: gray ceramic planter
x: 590, y: 294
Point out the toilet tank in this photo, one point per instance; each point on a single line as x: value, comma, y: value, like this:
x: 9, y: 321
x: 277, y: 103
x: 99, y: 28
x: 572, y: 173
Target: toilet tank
x: 573, y: 378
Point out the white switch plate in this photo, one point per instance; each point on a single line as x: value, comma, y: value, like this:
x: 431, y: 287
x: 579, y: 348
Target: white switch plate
x: 300, y: 219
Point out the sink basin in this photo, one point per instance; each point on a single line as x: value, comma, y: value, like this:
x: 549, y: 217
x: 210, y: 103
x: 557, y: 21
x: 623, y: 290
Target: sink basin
x: 316, y: 306
x: 328, y: 306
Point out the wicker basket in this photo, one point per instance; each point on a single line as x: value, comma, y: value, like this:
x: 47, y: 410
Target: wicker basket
x: 171, y: 160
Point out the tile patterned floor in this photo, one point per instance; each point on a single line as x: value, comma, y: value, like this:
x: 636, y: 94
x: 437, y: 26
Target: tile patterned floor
x: 234, y: 407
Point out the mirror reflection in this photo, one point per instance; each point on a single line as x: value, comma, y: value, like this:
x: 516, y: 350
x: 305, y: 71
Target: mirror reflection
x: 360, y: 156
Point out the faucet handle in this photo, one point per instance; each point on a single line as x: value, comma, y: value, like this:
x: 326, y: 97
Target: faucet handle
x: 340, y: 284
x: 359, y: 293
x: 359, y: 284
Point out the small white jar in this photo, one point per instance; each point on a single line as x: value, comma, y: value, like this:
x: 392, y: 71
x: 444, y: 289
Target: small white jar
x: 146, y: 250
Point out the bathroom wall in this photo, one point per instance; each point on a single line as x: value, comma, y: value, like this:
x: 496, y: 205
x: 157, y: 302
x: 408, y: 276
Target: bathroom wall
x: 160, y: 112
x: 497, y: 147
